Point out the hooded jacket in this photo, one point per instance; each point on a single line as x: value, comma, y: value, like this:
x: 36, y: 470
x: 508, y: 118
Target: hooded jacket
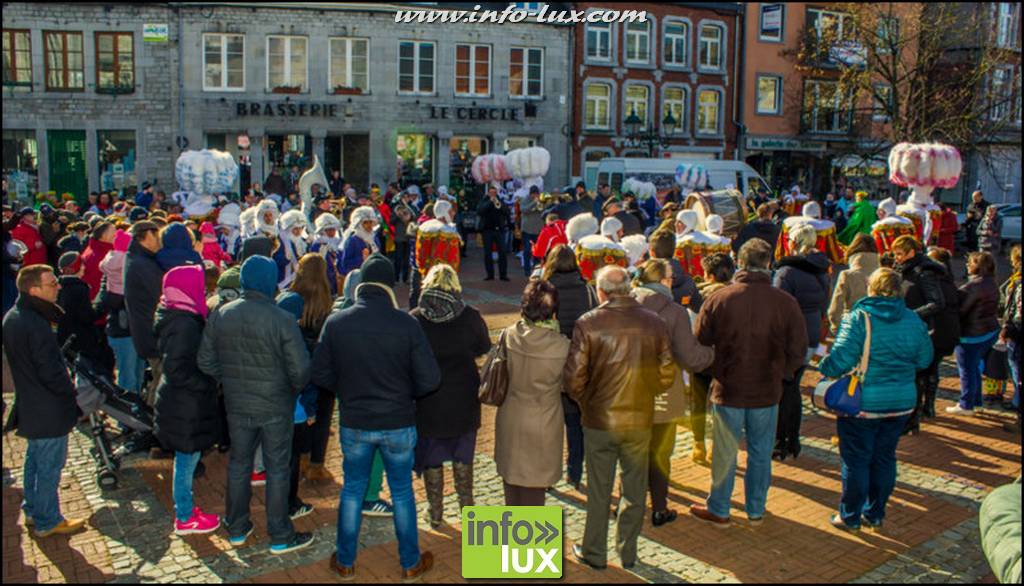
x: 900, y: 347
x: 550, y: 237
x: 929, y: 292
x: 177, y: 248
x: 684, y: 289
x: 95, y: 252
x: 806, y: 278
x: 29, y: 236
x: 143, y: 279
x: 254, y: 348
x: 79, y: 321
x: 187, y: 416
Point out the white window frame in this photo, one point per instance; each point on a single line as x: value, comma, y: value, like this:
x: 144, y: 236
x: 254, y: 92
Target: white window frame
x: 839, y: 111
x: 472, y: 70
x: 531, y: 8
x: 760, y: 23
x: 1002, y: 101
x: 880, y: 111
x: 648, y: 34
x: 883, y: 40
x: 841, y: 16
x: 777, y: 109
x: 687, y: 42
x: 697, y: 130
x: 1006, y: 24
x: 722, y: 44
x: 601, y: 27
x: 526, y: 73
x: 610, y: 100
x: 349, y: 41
x: 645, y: 120
x: 224, y: 63
x: 1018, y: 100
x: 682, y: 121
x: 288, y: 60
x: 416, y: 69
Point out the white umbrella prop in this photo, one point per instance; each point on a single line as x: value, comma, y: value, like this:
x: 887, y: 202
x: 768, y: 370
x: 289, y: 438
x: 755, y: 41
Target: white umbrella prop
x: 491, y: 169
x: 692, y: 178
x: 203, y: 175
x: 643, y: 190
x: 529, y: 165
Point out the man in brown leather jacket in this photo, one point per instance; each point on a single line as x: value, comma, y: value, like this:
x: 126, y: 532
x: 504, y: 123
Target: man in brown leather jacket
x: 760, y: 339
x: 620, y: 359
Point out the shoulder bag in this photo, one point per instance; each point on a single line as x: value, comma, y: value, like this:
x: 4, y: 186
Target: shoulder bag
x: 843, y: 396
x: 494, y: 378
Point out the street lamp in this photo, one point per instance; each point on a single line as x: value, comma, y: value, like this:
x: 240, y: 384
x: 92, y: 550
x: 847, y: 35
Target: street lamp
x: 647, y: 137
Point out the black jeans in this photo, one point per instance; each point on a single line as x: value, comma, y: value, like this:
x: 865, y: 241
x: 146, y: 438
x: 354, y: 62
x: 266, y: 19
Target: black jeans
x: 495, y: 237
x: 927, y: 383
x: 274, y: 433
x: 415, y: 289
x: 787, y: 434
x: 300, y: 444
x: 663, y: 441
x: 402, y: 261
x: 321, y: 431
x: 574, y: 439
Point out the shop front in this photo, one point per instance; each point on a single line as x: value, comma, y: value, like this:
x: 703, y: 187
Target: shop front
x: 21, y: 166
x: 784, y: 162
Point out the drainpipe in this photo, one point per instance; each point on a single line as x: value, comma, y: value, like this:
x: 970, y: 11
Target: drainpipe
x: 740, y: 67
x: 567, y: 129
x: 181, y: 78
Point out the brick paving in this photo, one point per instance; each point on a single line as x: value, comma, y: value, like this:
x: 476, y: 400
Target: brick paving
x: 930, y: 535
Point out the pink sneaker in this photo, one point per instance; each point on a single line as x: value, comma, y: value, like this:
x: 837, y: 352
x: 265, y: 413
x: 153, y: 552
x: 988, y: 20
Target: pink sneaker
x: 200, y: 522
x: 259, y: 478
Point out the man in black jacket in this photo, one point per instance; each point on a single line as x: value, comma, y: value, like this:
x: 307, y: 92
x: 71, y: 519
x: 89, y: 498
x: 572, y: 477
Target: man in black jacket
x: 972, y: 221
x: 494, y: 219
x: 44, y: 397
x: 143, y: 280
x: 932, y: 297
x: 763, y: 227
x: 257, y: 352
x: 79, y: 320
x: 379, y: 362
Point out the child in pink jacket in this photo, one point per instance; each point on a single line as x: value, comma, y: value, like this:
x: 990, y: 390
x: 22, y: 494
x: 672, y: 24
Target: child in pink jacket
x: 211, y: 248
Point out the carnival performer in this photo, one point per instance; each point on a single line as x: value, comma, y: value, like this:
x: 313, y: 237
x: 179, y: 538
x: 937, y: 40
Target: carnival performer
x: 247, y: 224
x: 438, y: 240
x: 293, y: 246
x: 327, y: 243
x: 612, y: 229
x: 715, y: 224
x: 862, y: 218
x: 890, y: 226
x: 826, y: 229
x: 580, y: 227
x: 229, y: 225
x: 359, y: 240
x: 692, y: 245
x: 595, y: 252
x: 267, y: 215
x: 927, y: 218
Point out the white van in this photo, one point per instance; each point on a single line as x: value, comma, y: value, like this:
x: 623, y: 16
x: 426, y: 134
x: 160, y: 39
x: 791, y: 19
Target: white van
x: 662, y: 172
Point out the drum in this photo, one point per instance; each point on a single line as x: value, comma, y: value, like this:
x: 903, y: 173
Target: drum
x: 437, y: 243
x: 596, y: 252
x: 726, y: 203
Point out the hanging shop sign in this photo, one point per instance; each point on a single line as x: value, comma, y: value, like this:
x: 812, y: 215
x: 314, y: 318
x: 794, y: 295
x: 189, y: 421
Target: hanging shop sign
x: 497, y: 114
x: 285, y: 110
x: 154, y: 33
x: 757, y: 143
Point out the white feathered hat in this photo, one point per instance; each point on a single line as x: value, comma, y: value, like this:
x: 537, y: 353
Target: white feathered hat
x: 812, y: 209
x: 230, y: 216
x: 580, y: 227
x: 636, y: 246
x: 442, y: 208
x: 714, y: 223
x: 610, y: 228
x: 689, y: 218
x: 363, y: 214
x: 292, y: 219
x: 326, y: 222
x: 887, y: 205
x: 267, y: 206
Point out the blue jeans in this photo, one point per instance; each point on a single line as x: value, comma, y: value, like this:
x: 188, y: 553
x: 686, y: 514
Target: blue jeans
x: 44, y: 461
x: 397, y: 447
x: 184, y: 468
x: 1011, y: 352
x: 528, y: 240
x: 130, y: 367
x: 274, y: 435
x: 970, y: 359
x: 868, y: 451
x: 730, y: 424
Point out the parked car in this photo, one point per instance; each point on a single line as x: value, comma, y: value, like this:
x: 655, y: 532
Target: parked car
x: 1009, y: 212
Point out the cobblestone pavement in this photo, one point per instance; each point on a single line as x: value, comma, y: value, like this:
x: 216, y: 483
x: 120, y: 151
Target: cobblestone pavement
x: 930, y: 535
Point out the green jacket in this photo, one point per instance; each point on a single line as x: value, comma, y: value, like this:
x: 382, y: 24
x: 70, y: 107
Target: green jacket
x: 999, y: 522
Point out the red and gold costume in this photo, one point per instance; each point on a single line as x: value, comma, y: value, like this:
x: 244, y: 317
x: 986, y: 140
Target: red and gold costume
x: 886, y: 231
x: 828, y: 242
x: 926, y: 220
x: 437, y: 242
x: 693, y: 247
x: 596, y: 252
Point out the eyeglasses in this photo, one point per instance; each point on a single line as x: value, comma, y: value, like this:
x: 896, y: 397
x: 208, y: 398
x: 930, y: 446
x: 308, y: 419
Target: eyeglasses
x: 54, y: 283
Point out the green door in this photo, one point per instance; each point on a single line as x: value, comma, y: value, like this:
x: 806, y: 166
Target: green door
x: 66, y: 149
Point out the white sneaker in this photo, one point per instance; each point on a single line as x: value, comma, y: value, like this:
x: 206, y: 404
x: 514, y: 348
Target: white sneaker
x: 957, y: 410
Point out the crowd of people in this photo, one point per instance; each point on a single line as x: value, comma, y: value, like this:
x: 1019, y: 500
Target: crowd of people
x: 242, y: 330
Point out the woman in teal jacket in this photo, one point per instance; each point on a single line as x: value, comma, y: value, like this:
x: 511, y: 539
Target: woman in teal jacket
x: 900, y: 346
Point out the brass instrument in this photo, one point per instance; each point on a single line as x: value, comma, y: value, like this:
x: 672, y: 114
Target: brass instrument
x: 314, y: 176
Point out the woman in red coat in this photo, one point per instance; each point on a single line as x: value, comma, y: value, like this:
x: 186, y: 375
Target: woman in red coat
x: 100, y: 244
x: 27, y: 232
x: 948, y: 228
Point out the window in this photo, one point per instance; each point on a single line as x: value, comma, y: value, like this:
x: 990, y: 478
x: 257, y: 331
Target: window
x: 526, y: 73
x: 824, y: 109
x: 711, y: 47
x: 415, y: 67
x: 882, y: 102
x: 599, y: 41
x: 638, y: 42
x: 773, y: 18
x: 529, y: 7
x: 597, y: 113
x: 1006, y: 31
x: 17, y: 58
x: 350, y: 64
x: 677, y: 43
x: 21, y: 165
x: 830, y: 26
x: 519, y: 142
x: 674, y: 100
x: 637, y: 97
x: 117, y: 157
x: 115, y: 62
x: 462, y: 151
x: 472, y: 70
x: 769, y: 94
x: 223, y: 62
x: 888, y: 35
x: 1001, y: 93
x: 65, y: 61
x: 286, y: 62
x: 415, y: 158
x: 709, y: 111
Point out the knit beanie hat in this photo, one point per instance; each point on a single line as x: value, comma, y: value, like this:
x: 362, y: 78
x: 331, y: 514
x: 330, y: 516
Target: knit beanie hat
x: 259, y: 273
x: 70, y: 263
x: 378, y: 269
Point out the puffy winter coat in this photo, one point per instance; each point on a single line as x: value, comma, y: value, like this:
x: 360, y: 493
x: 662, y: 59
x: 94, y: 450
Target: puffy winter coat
x: 900, y: 347
x: 79, y: 321
x: 806, y: 278
x: 852, y: 286
x: 979, y: 307
x: 574, y: 299
x: 143, y: 280
x: 95, y: 252
x: 550, y: 237
x: 29, y: 236
x: 929, y: 291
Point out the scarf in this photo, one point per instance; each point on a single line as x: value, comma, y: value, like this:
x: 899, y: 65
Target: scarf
x: 440, y: 306
x: 551, y: 324
x: 327, y: 243
x: 658, y: 288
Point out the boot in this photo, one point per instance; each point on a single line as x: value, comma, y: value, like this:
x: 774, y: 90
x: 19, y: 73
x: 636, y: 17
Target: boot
x: 700, y: 455
x: 303, y: 465
x: 433, y: 482
x: 463, y: 483
x: 928, y: 411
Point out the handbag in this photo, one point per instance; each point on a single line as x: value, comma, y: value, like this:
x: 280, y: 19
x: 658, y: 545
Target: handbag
x: 494, y: 378
x: 843, y: 396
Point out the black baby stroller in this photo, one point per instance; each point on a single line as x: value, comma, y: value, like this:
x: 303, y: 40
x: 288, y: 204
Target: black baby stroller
x: 98, y: 397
